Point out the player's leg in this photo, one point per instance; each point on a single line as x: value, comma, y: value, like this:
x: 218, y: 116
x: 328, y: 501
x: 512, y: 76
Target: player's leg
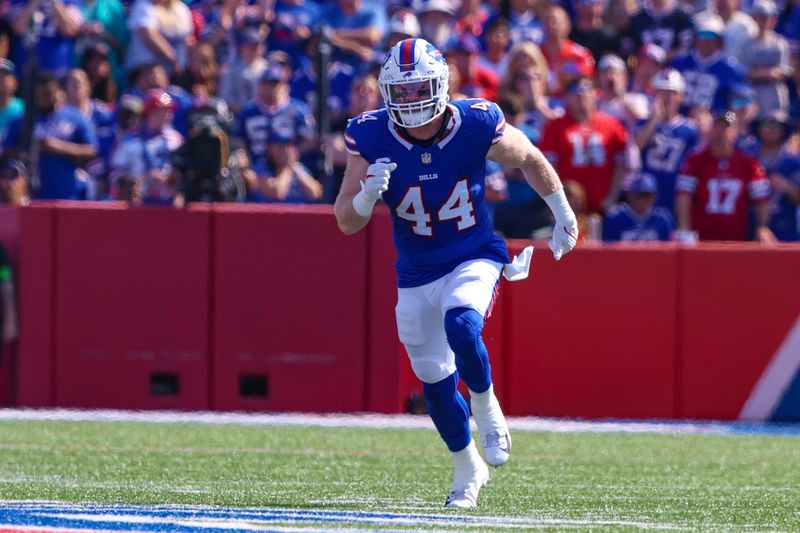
x: 467, y: 298
x: 419, y: 325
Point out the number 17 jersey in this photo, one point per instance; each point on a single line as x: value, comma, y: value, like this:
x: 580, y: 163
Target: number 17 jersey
x: 436, y: 194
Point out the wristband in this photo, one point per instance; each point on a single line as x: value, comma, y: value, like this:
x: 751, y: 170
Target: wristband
x: 362, y: 204
x: 557, y: 202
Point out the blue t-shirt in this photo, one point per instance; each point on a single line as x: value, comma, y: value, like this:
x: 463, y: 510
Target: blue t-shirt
x: 303, y: 84
x: 436, y: 196
x: 59, y: 176
x: 287, y: 18
x: 258, y: 123
x: 664, y: 155
x: 623, y: 224
x: 54, y: 53
x: 709, y: 82
x: 785, y: 215
x: 14, y: 109
x: 370, y: 15
x: 296, y: 194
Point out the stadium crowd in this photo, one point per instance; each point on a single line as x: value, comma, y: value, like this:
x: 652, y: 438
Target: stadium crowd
x: 685, y: 112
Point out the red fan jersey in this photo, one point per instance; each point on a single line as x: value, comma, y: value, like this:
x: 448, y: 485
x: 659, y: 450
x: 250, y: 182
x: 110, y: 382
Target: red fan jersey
x: 586, y: 152
x: 721, y: 188
x: 572, y: 60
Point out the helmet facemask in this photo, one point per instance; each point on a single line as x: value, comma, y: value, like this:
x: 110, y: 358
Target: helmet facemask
x: 416, y: 102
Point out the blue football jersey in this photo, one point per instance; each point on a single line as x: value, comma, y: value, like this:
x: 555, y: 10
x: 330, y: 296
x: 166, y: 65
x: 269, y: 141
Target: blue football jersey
x: 623, y: 224
x: 785, y: 219
x: 664, y: 155
x: 709, y: 82
x: 258, y: 123
x: 436, y: 195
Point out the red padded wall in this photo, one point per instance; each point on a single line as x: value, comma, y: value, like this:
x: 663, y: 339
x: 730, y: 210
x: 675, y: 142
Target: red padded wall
x: 36, y: 352
x: 289, y: 304
x: 132, y: 300
x: 738, y: 302
x: 594, y: 334
x: 9, y: 236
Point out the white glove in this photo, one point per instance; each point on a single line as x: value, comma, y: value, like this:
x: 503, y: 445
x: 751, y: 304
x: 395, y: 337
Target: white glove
x: 375, y: 184
x: 565, y: 232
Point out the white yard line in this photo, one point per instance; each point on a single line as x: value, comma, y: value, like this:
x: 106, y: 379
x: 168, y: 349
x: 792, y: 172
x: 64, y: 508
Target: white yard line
x: 371, y: 420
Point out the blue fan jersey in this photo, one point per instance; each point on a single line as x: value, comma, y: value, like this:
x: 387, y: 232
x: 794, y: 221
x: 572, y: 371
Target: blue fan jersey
x: 664, y: 155
x: 709, y: 82
x: 257, y: 123
x: 623, y: 224
x: 436, y: 195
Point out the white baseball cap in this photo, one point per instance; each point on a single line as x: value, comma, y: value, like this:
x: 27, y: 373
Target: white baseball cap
x: 611, y: 61
x: 425, y: 6
x: 668, y: 79
x: 405, y: 22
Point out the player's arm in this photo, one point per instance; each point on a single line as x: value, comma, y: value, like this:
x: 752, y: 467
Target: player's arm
x: 515, y: 150
x: 356, y: 199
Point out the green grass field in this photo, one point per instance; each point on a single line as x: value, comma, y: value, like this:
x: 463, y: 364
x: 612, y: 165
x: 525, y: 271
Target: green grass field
x: 584, y: 481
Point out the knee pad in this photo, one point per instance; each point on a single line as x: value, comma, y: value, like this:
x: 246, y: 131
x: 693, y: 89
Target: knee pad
x: 463, y: 327
x: 430, y: 368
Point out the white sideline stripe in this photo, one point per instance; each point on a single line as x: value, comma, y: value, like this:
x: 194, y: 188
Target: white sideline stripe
x: 776, y: 378
x: 360, y: 420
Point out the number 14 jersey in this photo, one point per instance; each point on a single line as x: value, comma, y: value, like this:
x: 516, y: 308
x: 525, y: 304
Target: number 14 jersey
x: 436, y: 194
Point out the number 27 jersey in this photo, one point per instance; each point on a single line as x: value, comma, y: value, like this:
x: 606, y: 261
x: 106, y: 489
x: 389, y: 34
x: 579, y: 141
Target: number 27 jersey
x: 436, y: 194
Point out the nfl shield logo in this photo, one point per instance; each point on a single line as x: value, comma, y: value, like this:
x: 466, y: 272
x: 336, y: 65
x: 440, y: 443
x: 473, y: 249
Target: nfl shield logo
x: 426, y: 158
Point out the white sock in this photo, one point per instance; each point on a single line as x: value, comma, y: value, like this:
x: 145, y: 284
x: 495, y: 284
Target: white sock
x: 483, y: 402
x: 465, y: 463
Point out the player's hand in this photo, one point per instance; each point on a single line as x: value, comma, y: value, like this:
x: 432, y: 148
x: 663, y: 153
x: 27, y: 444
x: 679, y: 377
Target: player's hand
x: 377, y: 180
x: 565, y: 236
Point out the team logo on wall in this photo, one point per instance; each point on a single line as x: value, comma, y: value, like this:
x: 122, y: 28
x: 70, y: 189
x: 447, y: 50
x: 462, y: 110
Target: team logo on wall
x: 426, y: 158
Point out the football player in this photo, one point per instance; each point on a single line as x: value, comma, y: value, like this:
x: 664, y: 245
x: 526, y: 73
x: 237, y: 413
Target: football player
x: 427, y: 159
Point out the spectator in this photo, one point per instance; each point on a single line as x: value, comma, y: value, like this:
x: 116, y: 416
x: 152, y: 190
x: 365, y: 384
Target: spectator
x: 101, y: 117
x: 667, y: 138
x: 201, y: 77
x: 355, y: 31
x: 495, y: 58
x: 589, y: 31
x: 403, y: 25
x: 365, y: 95
x: 739, y: 27
x: 54, y: 24
x: 97, y: 66
x: 527, y: 80
x: 789, y: 27
x: 436, y: 20
x: 638, y: 219
x: 472, y: 18
x: 239, y: 84
x: 711, y: 75
x: 143, y: 155
x: 154, y: 76
x: 274, y: 113
x: 281, y: 176
x: 11, y: 107
x: 224, y: 20
x: 7, y: 36
x: 587, y: 146
x: 160, y: 33
x: 304, y: 81
x: 566, y: 59
x: 476, y: 81
x: 661, y: 22
x: 519, y: 211
x: 717, y: 187
x: 66, y: 141
x: 766, y: 61
x: 105, y: 26
x: 294, y: 22
x: 614, y: 100
x: 650, y: 59
x: 14, y: 184
x: 454, y: 84
x: 523, y: 25
x: 745, y: 110
x: 783, y: 170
